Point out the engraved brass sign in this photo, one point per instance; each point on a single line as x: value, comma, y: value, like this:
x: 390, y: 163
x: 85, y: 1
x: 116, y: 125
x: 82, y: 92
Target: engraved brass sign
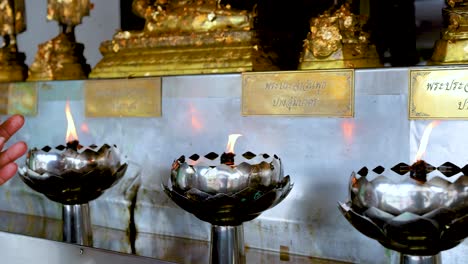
x: 327, y: 93
x: 123, y: 98
x: 18, y: 98
x: 438, y: 93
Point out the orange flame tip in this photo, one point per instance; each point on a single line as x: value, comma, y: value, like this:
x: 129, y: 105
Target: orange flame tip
x: 425, y: 139
x: 84, y: 128
x: 71, y: 130
x: 232, y: 142
x: 348, y: 130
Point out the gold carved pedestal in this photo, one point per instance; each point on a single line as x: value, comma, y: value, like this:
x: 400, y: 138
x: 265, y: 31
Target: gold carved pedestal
x: 184, y: 37
x: 452, y: 48
x: 12, y: 22
x: 337, y: 40
x: 61, y: 58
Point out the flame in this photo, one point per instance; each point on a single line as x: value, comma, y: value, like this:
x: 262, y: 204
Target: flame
x: 71, y: 130
x: 84, y: 128
x: 195, y: 120
x: 232, y: 142
x: 348, y: 130
x: 425, y: 139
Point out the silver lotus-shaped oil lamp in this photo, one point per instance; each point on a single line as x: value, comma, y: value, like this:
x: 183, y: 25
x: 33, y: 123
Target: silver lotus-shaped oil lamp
x: 73, y: 175
x: 227, y: 192
x: 416, y: 217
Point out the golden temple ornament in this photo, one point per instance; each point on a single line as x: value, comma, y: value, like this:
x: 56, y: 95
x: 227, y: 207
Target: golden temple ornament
x: 452, y: 47
x: 61, y: 58
x: 184, y: 37
x: 337, y: 40
x: 12, y: 22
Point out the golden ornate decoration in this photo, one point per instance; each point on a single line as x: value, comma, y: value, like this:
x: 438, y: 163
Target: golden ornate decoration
x: 61, y: 58
x: 12, y: 22
x: 337, y: 40
x: 184, y: 37
x: 451, y: 48
x: 453, y: 3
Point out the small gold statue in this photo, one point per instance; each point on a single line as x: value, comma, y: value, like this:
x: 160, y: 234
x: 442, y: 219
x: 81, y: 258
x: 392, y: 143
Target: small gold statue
x: 453, y: 3
x: 452, y: 47
x: 12, y: 22
x: 165, y: 16
x: 61, y: 58
x: 337, y: 40
x: 184, y: 37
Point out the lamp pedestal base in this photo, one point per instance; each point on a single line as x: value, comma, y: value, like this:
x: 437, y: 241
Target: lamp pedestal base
x: 400, y: 258
x: 227, y: 244
x: 77, y: 224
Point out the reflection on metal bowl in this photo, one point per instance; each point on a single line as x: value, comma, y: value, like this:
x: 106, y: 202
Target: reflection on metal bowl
x: 69, y: 176
x: 228, y: 195
x: 413, y: 217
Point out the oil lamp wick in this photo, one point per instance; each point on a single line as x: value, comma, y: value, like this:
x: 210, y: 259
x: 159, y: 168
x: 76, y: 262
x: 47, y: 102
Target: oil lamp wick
x: 74, y: 145
x: 228, y: 156
x: 418, y: 171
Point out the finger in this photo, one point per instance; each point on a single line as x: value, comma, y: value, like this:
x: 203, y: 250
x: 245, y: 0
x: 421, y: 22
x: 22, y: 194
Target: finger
x: 7, y: 171
x: 12, y: 153
x: 10, y: 126
x: 2, y: 143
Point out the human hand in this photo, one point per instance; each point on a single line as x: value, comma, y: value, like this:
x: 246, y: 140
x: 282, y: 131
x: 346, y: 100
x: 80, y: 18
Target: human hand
x: 8, y: 166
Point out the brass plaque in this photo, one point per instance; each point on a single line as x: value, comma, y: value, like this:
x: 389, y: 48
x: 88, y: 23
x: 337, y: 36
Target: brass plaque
x: 123, y: 98
x: 18, y: 98
x: 326, y: 93
x: 438, y: 93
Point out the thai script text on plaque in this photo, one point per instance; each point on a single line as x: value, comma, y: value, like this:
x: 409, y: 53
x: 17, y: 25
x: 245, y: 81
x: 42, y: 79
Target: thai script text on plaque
x: 123, y: 98
x: 326, y: 93
x: 440, y: 93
